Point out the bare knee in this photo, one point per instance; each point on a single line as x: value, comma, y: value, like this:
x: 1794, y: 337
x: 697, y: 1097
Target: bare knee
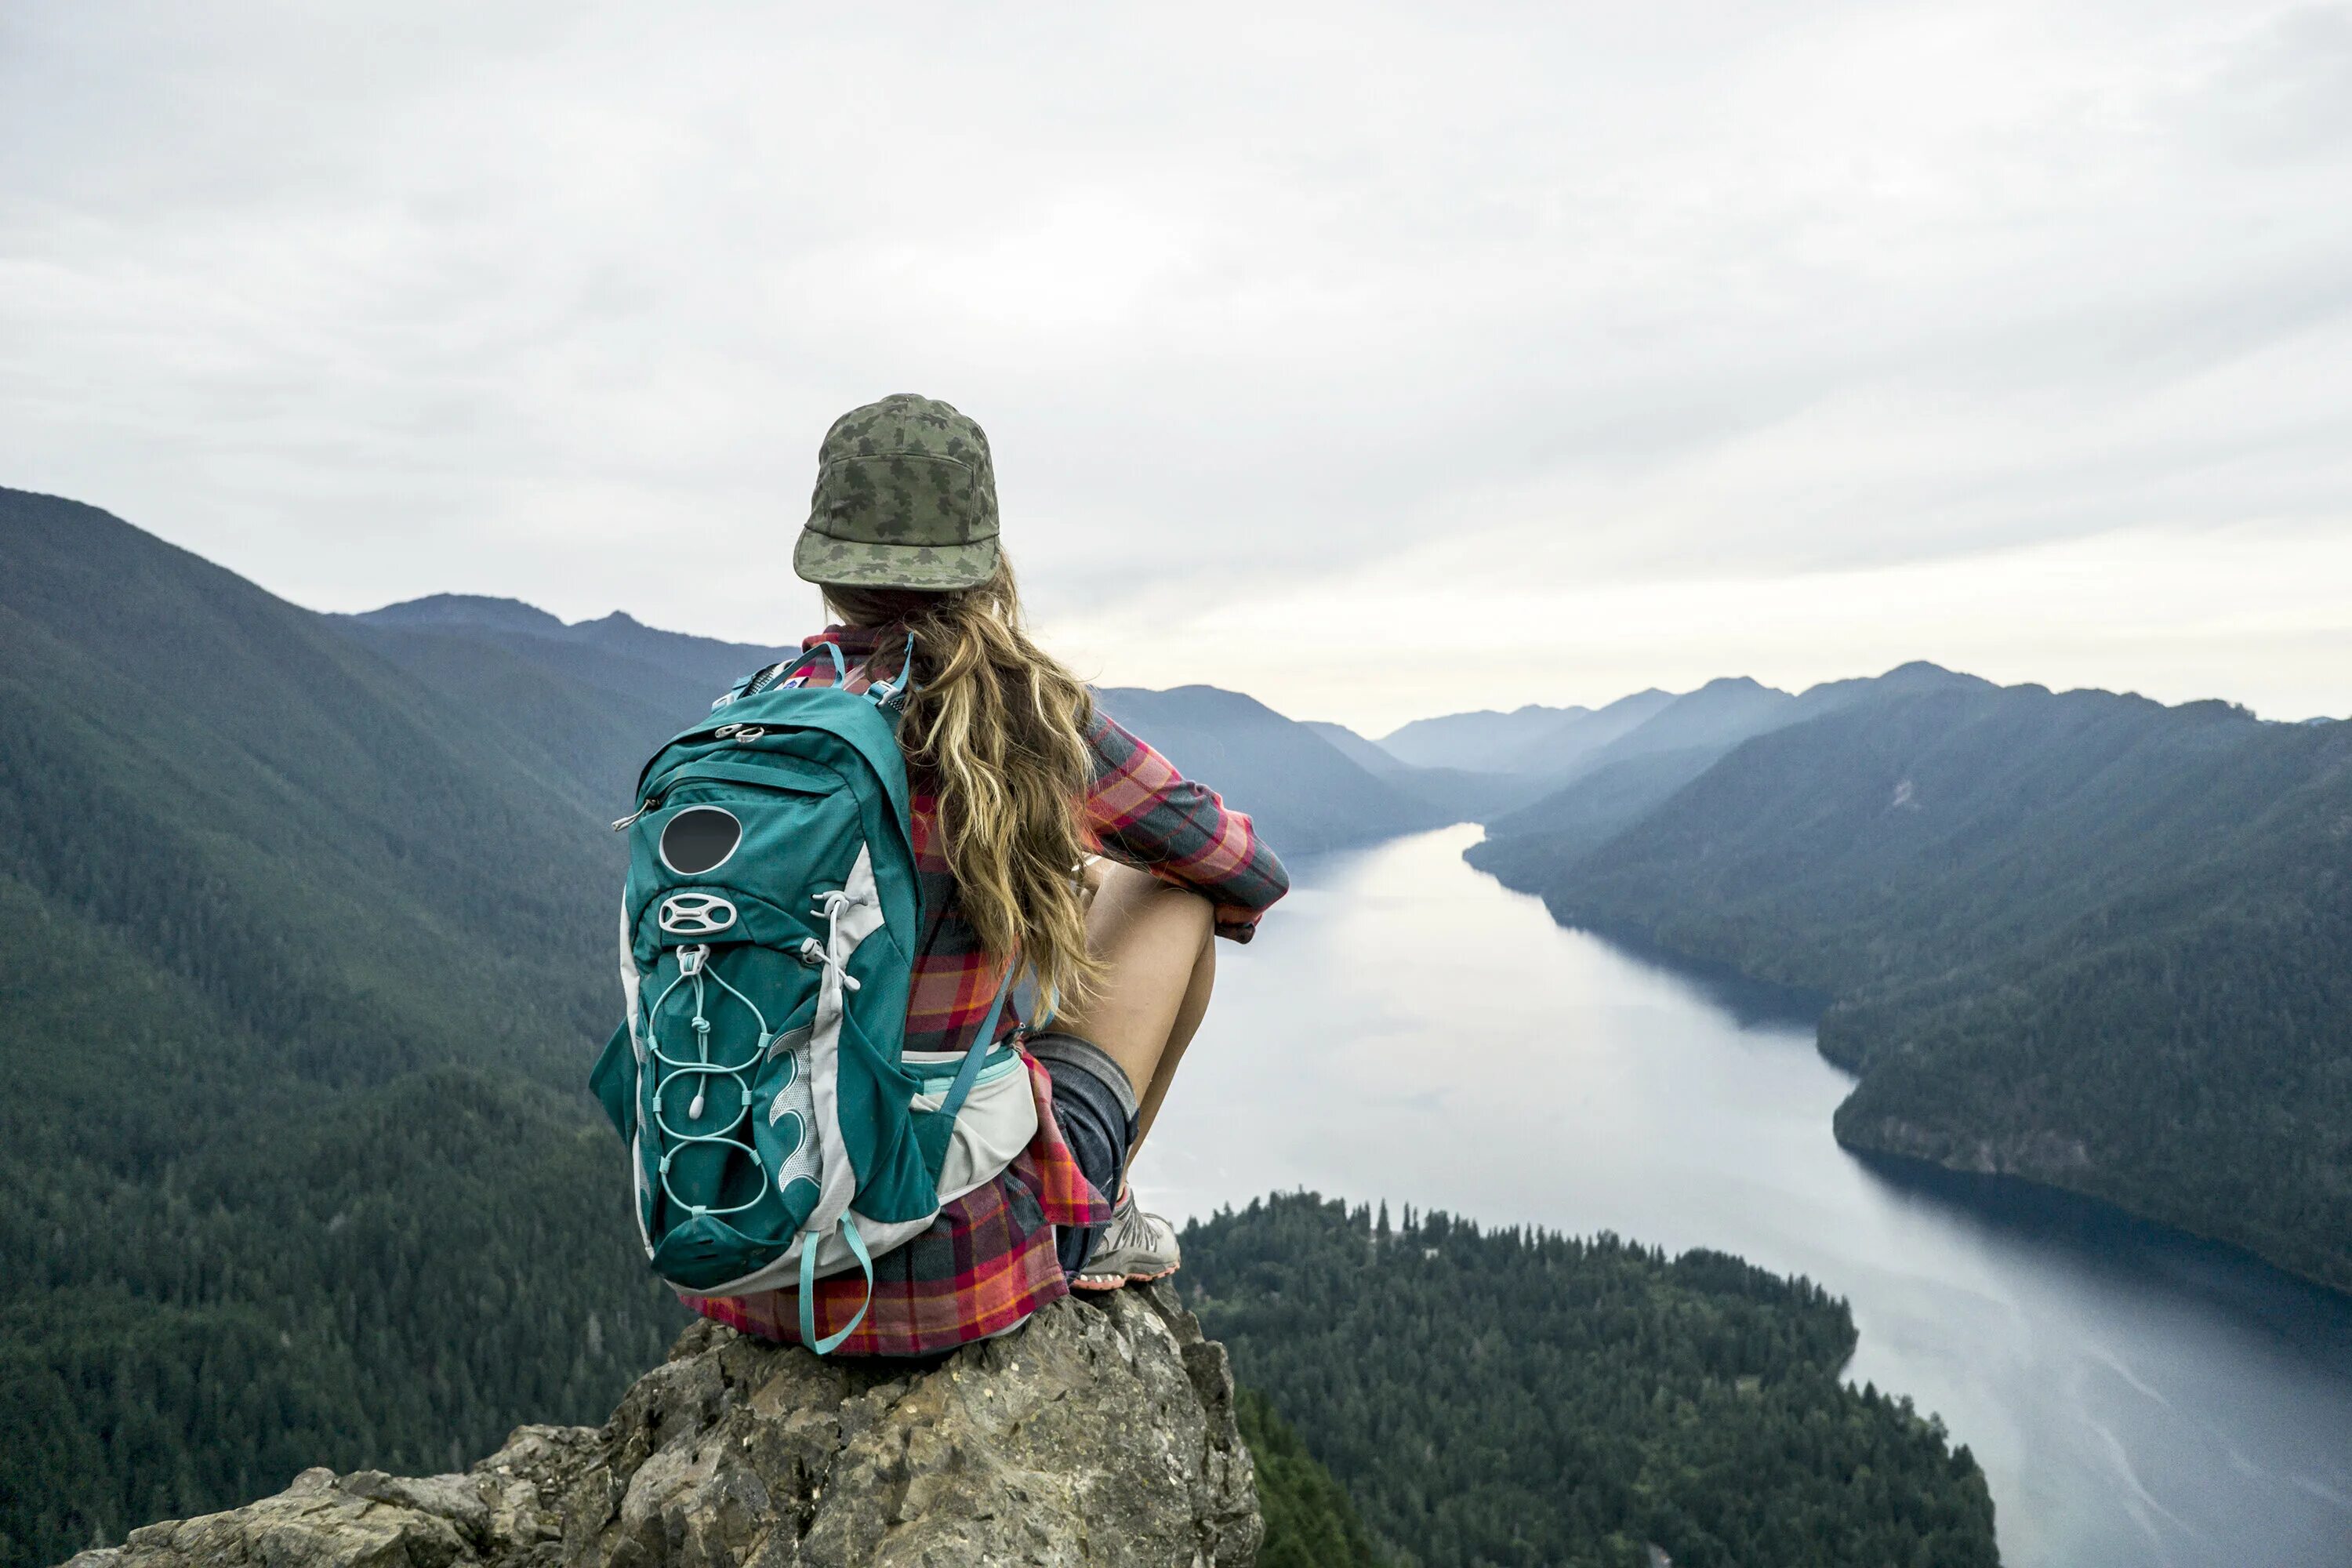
x: 1125, y: 905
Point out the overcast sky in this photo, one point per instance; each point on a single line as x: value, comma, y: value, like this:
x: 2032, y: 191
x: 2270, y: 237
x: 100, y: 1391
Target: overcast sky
x: 1376, y: 361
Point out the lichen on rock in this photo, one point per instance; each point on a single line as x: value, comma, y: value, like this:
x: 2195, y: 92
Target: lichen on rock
x: 1100, y: 1432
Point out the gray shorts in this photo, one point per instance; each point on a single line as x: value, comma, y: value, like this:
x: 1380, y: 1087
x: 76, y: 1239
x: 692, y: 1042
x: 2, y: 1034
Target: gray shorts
x: 1094, y: 1105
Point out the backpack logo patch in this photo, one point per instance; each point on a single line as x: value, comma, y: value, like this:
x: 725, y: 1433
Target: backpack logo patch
x: 696, y: 914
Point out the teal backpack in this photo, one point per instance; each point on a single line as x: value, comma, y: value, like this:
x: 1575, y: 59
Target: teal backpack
x: 768, y: 935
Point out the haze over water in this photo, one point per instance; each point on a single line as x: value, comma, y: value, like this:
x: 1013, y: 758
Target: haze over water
x: 1404, y: 1027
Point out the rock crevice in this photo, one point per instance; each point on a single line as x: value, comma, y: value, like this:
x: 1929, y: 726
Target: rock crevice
x: 1098, y: 1433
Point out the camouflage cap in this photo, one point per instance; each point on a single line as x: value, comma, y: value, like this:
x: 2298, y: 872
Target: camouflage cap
x: 906, y: 497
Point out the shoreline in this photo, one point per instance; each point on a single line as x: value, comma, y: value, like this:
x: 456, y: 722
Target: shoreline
x: 1779, y: 1000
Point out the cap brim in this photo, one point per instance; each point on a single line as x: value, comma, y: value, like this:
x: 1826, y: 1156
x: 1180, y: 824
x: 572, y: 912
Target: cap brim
x: 819, y: 558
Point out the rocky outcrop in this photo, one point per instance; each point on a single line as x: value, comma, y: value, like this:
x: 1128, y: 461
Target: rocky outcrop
x: 1100, y: 1432
x: 2033, y: 1154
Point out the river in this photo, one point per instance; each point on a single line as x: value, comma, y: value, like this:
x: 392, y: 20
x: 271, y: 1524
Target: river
x: 1404, y: 1027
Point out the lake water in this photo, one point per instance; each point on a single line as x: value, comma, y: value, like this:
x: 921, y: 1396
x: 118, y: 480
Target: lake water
x: 1404, y: 1027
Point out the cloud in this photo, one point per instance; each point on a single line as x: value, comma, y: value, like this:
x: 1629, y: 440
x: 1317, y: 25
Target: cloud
x: 554, y: 300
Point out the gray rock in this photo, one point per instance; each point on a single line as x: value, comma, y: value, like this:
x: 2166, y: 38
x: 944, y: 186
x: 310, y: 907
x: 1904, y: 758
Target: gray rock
x: 1100, y: 1432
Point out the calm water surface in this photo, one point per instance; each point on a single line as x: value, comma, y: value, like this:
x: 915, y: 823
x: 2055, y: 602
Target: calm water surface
x: 1404, y: 1027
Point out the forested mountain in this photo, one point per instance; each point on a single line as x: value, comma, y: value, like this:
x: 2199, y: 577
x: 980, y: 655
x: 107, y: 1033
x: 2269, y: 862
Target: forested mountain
x: 1523, y: 772
x: 1301, y: 790
x: 2081, y: 937
x: 1310, y: 1519
x: 1718, y: 715
x: 1613, y: 785
x: 617, y: 653
x: 1598, y: 805
x: 1912, y: 680
x: 1560, y: 749
x: 1365, y: 755
x: 1481, y: 741
x: 1452, y: 795
x: 594, y: 697
x: 1527, y: 771
x: 1518, y: 1398
x: 303, y: 965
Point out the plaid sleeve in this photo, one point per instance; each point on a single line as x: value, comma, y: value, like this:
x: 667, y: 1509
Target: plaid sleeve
x: 1145, y: 814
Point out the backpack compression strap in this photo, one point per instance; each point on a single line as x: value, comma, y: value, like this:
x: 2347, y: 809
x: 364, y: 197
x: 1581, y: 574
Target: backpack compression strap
x: 958, y: 1092
x: 832, y: 1342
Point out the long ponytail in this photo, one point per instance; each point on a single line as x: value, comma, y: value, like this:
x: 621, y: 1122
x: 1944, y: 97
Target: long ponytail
x: 1000, y: 726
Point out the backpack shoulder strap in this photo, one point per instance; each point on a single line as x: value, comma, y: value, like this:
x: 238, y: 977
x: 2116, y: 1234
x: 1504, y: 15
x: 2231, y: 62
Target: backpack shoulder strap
x: 884, y: 692
x: 758, y: 680
x: 898, y: 687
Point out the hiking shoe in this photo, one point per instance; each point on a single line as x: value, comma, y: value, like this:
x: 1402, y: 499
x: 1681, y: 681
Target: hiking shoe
x: 1134, y: 1249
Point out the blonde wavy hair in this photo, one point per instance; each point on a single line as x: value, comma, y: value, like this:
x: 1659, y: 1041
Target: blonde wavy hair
x: 1000, y: 727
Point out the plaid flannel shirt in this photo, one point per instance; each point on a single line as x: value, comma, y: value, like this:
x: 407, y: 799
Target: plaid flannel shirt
x: 988, y: 1261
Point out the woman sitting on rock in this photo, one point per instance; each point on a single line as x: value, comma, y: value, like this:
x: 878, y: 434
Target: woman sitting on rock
x: 1041, y: 828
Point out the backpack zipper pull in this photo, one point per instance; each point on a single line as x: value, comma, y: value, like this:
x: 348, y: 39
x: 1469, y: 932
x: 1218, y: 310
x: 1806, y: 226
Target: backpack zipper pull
x: 652, y: 803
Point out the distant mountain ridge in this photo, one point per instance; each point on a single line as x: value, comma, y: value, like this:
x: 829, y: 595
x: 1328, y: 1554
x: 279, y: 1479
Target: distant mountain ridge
x: 603, y: 693
x: 1560, y: 750
x: 617, y: 629
x: 476, y: 611
x: 1478, y: 741
x: 594, y: 697
x: 1365, y: 755
x: 1611, y: 784
x: 1560, y: 744
x: 1721, y: 713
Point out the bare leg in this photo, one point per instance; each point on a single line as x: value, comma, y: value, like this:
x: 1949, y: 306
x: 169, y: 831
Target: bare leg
x: 1156, y: 943
x: 1188, y: 1021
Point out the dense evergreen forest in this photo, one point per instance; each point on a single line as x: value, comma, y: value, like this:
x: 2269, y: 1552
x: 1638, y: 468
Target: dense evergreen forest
x: 1310, y: 1520
x: 301, y: 964
x: 1513, y: 1397
x: 2081, y: 937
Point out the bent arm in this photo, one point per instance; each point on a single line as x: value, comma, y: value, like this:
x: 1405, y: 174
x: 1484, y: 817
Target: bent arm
x: 1143, y: 813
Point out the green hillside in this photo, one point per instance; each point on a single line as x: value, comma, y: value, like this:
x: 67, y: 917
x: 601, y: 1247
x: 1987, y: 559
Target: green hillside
x: 1310, y: 1520
x: 301, y: 964
x: 591, y: 699
x: 2081, y: 938
x: 1302, y: 793
x: 1514, y: 1398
